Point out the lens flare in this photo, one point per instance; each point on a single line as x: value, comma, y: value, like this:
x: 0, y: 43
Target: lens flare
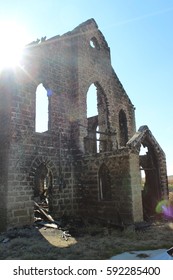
x: 164, y: 207
x: 13, y: 38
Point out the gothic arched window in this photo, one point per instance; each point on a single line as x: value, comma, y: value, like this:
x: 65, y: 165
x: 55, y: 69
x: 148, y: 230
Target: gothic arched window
x: 104, y: 183
x: 41, y: 109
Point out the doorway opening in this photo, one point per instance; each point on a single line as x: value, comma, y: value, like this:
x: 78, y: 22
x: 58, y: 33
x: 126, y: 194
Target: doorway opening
x: 151, y: 189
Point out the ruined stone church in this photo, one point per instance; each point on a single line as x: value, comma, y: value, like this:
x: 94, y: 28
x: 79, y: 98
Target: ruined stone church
x: 89, y: 166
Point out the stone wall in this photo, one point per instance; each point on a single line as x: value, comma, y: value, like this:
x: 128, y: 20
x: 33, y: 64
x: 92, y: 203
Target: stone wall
x: 123, y: 202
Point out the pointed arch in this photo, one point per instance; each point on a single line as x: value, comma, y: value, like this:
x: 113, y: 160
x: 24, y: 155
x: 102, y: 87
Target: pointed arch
x: 92, y: 109
x: 43, y: 178
x: 97, y: 104
x: 153, y: 163
x: 97, y: 107
x: 151, y: 193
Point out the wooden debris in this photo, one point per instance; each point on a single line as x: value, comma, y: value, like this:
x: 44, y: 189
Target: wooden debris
x: 65, y: 235
x: 43, y: 212
x: 50, y: 222
x: 48, y: 225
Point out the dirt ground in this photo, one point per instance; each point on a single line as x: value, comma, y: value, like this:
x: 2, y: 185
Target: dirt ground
x: 88, y: 241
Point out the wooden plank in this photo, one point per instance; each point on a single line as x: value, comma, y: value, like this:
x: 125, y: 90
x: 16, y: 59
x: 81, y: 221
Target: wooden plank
x: 47, y: 216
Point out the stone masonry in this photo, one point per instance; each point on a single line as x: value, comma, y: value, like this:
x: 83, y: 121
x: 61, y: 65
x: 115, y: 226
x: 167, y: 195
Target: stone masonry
x: 64, y: 161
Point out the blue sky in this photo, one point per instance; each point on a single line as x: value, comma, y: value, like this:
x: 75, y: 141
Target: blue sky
x: 139, y: 34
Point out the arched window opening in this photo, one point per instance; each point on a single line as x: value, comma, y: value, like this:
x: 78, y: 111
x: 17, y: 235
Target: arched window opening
x: 92, y: 109
x: 43, y: 185
x: 123, y: 128
x: 42, y: 109
x: 97, y: 115
x: 151, y: 191
x: 92, y: 116
x: 104, y: 183
x: 94, y: 43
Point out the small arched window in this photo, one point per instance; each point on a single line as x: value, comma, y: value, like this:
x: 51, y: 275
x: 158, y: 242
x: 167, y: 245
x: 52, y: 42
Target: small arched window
x: 104, y: 183
x: 123, y: 131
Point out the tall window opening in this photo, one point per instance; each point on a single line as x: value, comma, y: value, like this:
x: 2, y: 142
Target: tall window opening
x: 123, y: 128
x: 97, y: 115
x: 104, y: 183
x: 92, y: 101
x: 92, y: 116
x: 42, y: 109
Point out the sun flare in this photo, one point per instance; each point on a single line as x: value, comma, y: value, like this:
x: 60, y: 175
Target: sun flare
x: 12, y: 41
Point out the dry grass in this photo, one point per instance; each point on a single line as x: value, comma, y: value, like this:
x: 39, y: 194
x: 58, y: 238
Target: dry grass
x: 93, y: 242
x: 88, y: 242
